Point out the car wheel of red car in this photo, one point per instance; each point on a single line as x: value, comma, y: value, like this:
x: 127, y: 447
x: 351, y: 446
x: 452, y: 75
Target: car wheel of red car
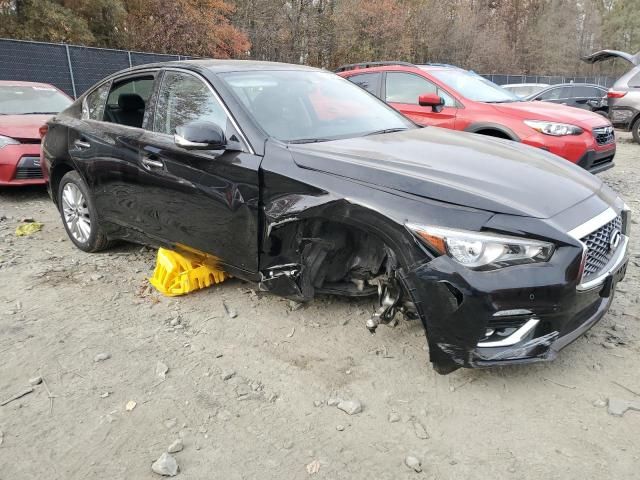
x: 636, y: 130
x: 78, y: 214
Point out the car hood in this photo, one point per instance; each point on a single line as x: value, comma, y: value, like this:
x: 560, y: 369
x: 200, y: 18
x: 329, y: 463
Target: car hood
x: 456, y: 167
x: 538, y: 110
x: 22, y: 126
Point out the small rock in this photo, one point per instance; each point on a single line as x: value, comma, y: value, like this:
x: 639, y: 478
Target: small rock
x: 287, y: 445
x: 618, y: 406
x: 104, y: 395
x: 166, y: 465
x: 317, y: 403
x: 35, y: 381
x: 227, y: 375
x: 340, y: 428
x: 421, y: 432
x: 243, y: 389
x: 230, y: 311
x: 101, y: 357
x: 394, y: 417
x: 333, y: 401
x: 413, y: 463
x: 130, y: 405
x: 96, y: 276
x: 161, y: 370
x: 176, y: 446
x: 293, y: 305
x: 599, y: 403
x: 174, y: 321
x: 608, y: 345
x: 350, y: 407
x: 170, y: 423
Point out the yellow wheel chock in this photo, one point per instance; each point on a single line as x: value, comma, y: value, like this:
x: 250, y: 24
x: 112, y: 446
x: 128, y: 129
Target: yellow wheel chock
x: 185, y: 272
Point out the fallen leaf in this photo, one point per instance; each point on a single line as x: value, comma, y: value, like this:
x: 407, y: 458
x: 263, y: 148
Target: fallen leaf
x: 313, y: 467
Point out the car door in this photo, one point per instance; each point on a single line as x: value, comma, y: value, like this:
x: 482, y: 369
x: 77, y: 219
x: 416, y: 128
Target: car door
x: 203, y: 199
x: 558, y: 95
x: 106, y: 148
x: 402, y: 90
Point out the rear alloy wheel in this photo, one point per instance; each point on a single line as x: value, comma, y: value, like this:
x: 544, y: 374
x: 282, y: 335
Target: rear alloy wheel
x: 635, y: 130
x: 78, y: 214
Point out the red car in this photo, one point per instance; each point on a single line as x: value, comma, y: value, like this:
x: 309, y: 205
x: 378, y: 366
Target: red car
x: 24, y: 108
x: 450, y: 97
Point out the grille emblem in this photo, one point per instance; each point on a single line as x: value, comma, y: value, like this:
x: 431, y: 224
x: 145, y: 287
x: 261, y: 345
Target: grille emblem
x: 614, y: 239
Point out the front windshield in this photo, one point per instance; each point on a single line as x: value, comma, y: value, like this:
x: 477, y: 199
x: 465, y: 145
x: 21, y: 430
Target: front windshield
x: 473, y: 86
x: 25, y: 100
x: 311, y: 106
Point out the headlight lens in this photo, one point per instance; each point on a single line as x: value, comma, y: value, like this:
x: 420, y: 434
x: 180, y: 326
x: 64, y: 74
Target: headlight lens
x: 7, y: 141
x: 553, y: 128
x: 483, y: 251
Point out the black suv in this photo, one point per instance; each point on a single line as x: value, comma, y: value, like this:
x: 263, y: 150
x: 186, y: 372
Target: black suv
x: 580, y: 95
x: 302, y: 181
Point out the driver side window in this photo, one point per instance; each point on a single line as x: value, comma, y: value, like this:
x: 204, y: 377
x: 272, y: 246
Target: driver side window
x: 184, y: 98
x: 406, y: 88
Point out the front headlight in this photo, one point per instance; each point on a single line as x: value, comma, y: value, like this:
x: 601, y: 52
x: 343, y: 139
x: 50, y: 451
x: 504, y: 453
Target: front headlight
x: 7, y: 141
x: 553, y: 128
x: 482, y: 251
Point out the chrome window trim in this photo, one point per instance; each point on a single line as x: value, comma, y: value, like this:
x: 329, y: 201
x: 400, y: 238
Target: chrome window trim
x: 243, y: 137
x: 515, y: 337
x: 594, y: 224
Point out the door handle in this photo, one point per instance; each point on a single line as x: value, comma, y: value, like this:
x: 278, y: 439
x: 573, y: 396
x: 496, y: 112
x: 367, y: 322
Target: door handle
x: 151, y: 163
x: 81, y: 144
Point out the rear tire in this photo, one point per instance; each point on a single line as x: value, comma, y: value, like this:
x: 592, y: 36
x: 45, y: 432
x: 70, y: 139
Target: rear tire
x: 635, y: 130
x: 79, y: 215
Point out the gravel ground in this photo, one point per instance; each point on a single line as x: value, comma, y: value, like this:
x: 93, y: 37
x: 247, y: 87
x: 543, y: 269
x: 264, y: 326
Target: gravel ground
x: 252, y: 396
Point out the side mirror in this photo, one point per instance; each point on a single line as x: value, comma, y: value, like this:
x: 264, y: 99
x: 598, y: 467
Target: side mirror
x: 200, y: 135
x: 432, y: 100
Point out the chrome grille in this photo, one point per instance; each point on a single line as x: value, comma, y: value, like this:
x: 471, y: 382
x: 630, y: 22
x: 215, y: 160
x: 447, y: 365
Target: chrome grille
x: 604, y: 135
x: 599, y: 247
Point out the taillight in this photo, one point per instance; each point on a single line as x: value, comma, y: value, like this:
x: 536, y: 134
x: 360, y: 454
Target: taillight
x: 43, y: 130
x: 615, y: 94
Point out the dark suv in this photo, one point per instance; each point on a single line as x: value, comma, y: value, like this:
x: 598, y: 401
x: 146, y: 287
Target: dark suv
x: 303, y: 182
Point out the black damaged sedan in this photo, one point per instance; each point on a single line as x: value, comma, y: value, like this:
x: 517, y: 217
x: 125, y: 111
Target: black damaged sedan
x: 305, y: 183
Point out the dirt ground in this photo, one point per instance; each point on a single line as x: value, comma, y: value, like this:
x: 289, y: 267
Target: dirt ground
x: 248, y: 395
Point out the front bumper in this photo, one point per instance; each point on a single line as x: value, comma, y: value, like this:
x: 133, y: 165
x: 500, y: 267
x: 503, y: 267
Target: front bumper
x: 20, y: 165
x: 458, y: 306
x: 597, y: 161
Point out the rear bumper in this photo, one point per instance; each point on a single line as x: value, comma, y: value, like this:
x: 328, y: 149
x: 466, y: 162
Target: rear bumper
x: 623, y: 117
x: 20, y: 165
x: 596, y: 162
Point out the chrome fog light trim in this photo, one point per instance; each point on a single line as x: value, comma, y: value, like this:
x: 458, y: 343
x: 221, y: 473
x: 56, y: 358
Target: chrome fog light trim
x: 514, y: 338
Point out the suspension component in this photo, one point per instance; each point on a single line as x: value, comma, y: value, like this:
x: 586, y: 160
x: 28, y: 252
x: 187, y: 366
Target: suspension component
x: 388, y: 298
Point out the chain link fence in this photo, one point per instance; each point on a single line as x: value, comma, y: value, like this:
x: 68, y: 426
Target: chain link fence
x: 74, y: 68
x: 501, y: 79
x: 71, y: 68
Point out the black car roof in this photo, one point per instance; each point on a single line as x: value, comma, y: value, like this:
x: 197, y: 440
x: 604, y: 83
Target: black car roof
x: 225, y: 66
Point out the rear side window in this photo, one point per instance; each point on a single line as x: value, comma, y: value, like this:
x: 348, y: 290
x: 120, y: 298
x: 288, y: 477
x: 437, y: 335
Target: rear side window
x: 407, y: 88
x: 93, y: 105
x: 127, y: 101
x: 634, y: 82
x: 369, y: 81
x: 184, y: 98
x: 588, y: 92
x: 556, y: 93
